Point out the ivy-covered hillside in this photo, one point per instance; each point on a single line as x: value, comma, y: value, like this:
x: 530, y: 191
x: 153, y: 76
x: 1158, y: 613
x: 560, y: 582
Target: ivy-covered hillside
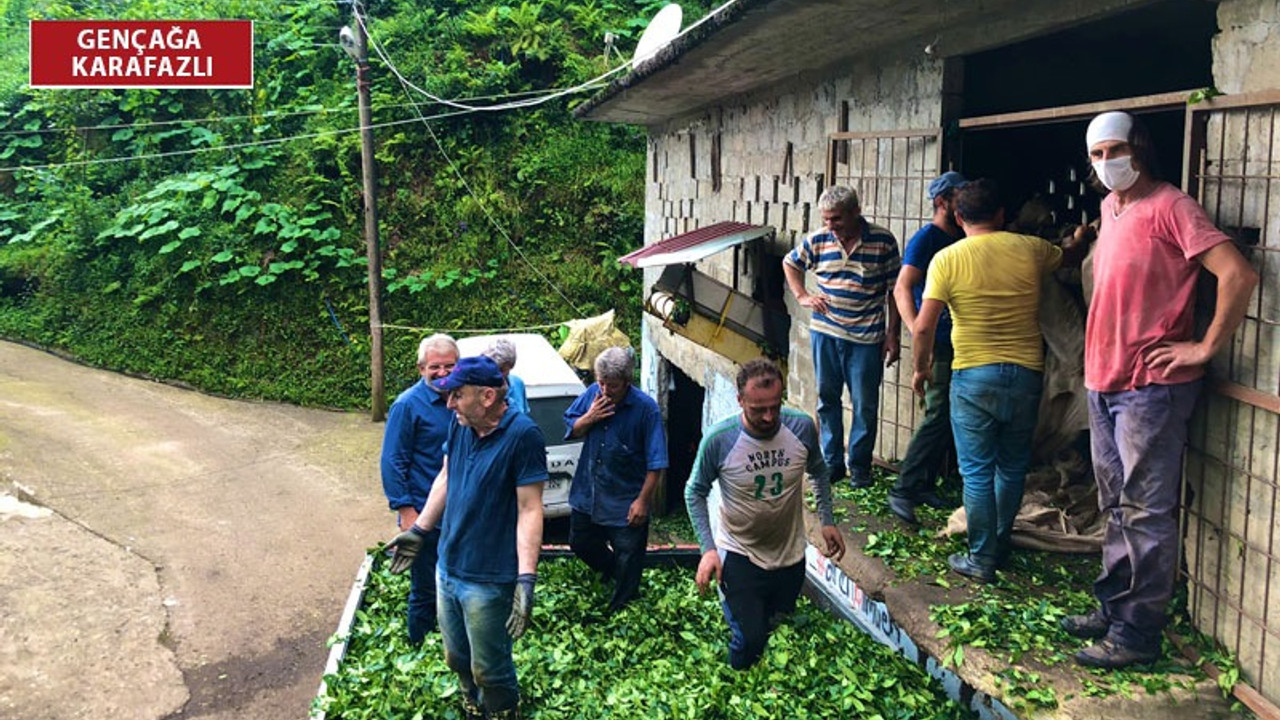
x: 216, y: 237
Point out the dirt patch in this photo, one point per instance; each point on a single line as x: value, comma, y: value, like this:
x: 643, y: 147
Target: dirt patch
x: 241, y: 523
x: 234, y: 683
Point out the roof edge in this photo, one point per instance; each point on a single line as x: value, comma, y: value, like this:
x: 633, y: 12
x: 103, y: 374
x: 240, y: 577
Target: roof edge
x: 669, y: 54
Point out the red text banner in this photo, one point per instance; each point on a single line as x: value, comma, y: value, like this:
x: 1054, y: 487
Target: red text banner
x: 141, y: 54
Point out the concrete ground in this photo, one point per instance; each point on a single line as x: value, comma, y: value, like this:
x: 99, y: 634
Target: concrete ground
x: 165, y: 554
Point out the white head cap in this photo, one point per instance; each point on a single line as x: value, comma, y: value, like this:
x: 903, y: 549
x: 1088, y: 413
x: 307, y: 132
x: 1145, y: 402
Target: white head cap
x: 1108, y: 126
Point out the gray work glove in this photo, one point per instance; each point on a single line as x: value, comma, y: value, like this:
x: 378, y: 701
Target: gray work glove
x: 521, y: 605
x: 406, y: 545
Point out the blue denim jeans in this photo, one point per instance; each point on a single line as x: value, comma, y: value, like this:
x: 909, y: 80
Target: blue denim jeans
x: 838, y: 364
x: 993, y: 418
x: 1138, y: 437
x: 473, y: 626
x: 422, y: 590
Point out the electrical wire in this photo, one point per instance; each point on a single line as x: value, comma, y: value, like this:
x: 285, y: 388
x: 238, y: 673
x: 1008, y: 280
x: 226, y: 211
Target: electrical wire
x: 216, y: 148
x: 267, y: 115
x: 552, y: 95
x: 591, y: 84
x: 471, y: 331
x: 484, y: 207
x: 406, y: 85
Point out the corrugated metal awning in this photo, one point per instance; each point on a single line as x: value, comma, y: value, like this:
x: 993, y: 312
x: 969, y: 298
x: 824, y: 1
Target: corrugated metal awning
x: 695, y: 245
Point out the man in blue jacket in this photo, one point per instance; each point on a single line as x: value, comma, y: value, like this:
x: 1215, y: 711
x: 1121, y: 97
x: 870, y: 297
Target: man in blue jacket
x: 624, y: 452
x: 412, y: 453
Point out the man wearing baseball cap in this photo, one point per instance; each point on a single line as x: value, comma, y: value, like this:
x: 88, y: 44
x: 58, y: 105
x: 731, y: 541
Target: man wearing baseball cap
x: 1143, y: 370
x: 932, y: 441
x: 487, y: 502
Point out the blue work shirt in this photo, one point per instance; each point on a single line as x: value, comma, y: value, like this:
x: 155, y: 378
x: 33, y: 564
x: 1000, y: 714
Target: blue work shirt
x: 926, y: 243
x: 516, y: 396
x: 413, y: 445
x: 478, y: 529
x: 617, y: 452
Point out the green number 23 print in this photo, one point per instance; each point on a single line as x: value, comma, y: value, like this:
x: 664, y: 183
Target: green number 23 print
x: 775, y: 489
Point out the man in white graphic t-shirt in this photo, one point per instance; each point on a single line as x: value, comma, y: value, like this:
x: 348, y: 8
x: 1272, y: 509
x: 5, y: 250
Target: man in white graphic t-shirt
x: 756, y: 554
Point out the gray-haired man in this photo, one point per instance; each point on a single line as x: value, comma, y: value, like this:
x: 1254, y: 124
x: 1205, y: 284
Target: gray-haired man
x: 855, y: 327
x: 624, y: 452
x: 503, y: 352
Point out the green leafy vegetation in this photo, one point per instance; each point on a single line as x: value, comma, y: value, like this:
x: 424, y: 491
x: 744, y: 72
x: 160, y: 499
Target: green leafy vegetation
x: 151, y: 234
x: 1015, y: 619
x: 663, y: 657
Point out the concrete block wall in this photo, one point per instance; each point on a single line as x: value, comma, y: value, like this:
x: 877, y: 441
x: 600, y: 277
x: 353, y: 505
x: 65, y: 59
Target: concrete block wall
x: 773, y: 159
x: 1246, y: 52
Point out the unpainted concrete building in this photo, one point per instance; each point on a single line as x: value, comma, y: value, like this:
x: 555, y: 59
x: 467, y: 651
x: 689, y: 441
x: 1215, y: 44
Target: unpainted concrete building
x: 755, y: 111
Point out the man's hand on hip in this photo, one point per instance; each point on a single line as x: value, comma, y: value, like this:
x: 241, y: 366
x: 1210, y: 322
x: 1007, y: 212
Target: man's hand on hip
x: 816, y: 303
x: 1168, y: 357
x: 406, y: 517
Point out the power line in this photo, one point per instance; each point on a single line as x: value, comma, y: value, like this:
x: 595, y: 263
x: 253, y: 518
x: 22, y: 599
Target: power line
x: 473, y: 331
x: 268, y: 114
x: 217, y: 148
x: 405, y: 82
x: 483, y: 206
x: 271, y: 114
x: 591, y: 84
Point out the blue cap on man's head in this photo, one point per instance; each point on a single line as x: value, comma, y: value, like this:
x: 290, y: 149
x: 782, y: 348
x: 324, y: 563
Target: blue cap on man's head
x: 479, y: 370
x: 947, y: 181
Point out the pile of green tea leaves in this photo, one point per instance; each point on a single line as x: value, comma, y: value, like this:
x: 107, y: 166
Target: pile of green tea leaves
x: 665, y: 656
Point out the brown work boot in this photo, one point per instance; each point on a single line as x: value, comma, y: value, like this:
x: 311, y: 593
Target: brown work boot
x: 1090, y: 626
x: 1110, y: 654
x: 470, y: 710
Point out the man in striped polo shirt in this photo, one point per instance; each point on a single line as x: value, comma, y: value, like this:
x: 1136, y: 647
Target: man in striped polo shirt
x: 854, y: 330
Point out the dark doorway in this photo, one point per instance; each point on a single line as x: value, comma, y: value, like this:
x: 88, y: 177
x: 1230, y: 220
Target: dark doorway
x: 1048, y: 163
x: 684, y: 431
x: 1161, y: 47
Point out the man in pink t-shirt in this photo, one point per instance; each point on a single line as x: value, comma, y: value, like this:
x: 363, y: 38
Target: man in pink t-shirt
x: 1143, y: 370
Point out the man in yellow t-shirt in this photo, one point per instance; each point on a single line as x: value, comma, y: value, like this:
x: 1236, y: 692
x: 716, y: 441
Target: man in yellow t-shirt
x: 991, y: 281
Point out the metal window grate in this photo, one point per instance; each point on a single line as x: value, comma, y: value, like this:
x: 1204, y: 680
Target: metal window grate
x: 890, y: 172
x: 1229, y: 520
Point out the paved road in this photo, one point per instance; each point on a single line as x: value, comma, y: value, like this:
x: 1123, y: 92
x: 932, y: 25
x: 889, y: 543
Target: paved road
x: 165, y: 554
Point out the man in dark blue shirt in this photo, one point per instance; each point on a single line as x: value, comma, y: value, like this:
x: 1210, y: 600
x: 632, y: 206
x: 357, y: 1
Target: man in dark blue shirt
x: 412, y: 453
x: 624, y: 452
x: 487, y: 502
x: 932, y: 440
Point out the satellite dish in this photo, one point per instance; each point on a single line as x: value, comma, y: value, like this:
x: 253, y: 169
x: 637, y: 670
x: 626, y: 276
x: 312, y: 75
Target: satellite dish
x: 662, y: 29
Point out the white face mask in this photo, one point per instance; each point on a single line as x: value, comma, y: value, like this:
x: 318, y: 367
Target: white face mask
x: 1117, y: 173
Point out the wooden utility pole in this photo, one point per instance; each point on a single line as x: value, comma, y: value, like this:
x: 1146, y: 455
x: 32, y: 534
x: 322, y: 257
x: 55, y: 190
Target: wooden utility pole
x: 372, y: 247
